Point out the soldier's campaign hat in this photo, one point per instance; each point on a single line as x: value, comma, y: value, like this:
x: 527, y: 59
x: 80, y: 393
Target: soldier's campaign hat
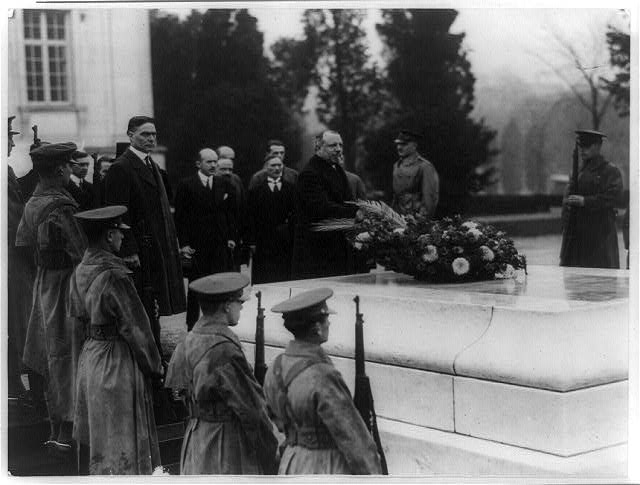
x: 589, y: 137
x: 52, y: 154
x: 109, y: 217
x: 220, y: 286
x: 306, y: 304
x: 405, y: 136
x: 11, y: 130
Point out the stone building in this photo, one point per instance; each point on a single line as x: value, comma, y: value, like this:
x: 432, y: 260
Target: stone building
x: 78, y: 74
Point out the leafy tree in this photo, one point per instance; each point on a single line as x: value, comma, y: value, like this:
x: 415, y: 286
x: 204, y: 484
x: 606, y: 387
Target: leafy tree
x: 430, y: 76
x: 332, y: 58
x: 211, y: 88
x: 619, y: 43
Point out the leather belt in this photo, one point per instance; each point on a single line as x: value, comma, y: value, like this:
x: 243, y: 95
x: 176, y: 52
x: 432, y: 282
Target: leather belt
x: 310, y: 437
x: 103, y: 332
x: 210, y: 411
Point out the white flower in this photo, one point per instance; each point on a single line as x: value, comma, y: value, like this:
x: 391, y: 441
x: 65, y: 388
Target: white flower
x: 357, y: 245
x: 520, y: 276
x: 431, y: 255
x: 363, y: 236
x: 460, y: 266
x: 399, y: 230
x: 508, y: 273
x: 486, y: 254
x: 476, y: 233
x: 469, y: 225
x: 160, y: 470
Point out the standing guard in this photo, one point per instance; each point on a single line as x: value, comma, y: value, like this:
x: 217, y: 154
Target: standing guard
x: 52, y: 345
x: 114, y: 422
x: 589, y: 235
x: 229, y: 430
x: 325, y: 434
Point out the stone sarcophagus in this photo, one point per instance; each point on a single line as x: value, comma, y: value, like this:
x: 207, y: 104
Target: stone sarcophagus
x: 498, y: 378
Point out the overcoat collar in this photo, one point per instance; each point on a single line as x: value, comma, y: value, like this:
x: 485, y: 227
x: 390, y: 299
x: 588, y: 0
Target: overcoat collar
x: 300, y: 348
x: 209, y: 326
x: 140, y: 167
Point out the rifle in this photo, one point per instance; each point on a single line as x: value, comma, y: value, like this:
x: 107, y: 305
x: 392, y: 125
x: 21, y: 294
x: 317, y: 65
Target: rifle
x: 362, y: 397
x: 96, y: 181
x: 260, y: 368
x: 569, y: 230
x: 36, y: 141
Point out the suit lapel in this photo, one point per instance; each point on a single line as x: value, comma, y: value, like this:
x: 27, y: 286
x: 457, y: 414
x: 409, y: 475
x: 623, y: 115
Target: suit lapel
x: 143, y: 171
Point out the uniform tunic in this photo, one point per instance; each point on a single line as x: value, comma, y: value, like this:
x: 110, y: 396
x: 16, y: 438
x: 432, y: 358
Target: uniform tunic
x: 229, y: 431
x: 595, y: 240
x: 52, y: 344
x: 114, y: 408
x: 319, y: 406
x: 416, y: 186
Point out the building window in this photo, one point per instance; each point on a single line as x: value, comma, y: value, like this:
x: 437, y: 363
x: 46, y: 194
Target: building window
x: 46, y: 43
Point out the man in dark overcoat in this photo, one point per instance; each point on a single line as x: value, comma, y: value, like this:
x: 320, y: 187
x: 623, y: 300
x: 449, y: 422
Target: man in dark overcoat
x: 206, y: 223
x: 150, y: 248
x: 79, y: 188
x: 271, y: 205
x: 274, y: 148
x: 590, y: 238
x: 321, y: 192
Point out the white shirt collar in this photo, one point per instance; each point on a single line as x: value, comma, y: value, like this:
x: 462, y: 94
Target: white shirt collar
x: 204, y: 179
x: 75, y: 180
x: 140, y: 154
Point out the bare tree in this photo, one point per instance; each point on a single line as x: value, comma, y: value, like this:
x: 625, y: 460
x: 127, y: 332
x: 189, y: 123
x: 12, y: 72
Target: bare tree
x: 584, y: 68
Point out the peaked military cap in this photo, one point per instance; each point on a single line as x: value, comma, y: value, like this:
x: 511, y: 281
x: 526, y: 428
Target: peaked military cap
x: 52, y: 154
x: 106, y: 217
x: 407, y: 136
x: 588, y: 137
x: 220, y: 286
x: 11, y: 130
x: 306, y: 304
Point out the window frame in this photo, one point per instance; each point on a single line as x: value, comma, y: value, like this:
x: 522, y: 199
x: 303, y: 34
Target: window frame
x: 45, y: 44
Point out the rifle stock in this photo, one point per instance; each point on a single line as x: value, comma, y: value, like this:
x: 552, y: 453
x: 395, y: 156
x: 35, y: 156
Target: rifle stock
x: 362, y: 396
x: 569, y: 230
x: 260, y: 368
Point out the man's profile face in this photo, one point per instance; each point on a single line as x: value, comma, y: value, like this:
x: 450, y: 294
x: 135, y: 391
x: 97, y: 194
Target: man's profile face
x: 406, y: 148
x: 277, y: 150
x: 143, y: 138
x: 225, y: 167
x: 81, y: 167
x: 274, y: 167
x: 331, y: 147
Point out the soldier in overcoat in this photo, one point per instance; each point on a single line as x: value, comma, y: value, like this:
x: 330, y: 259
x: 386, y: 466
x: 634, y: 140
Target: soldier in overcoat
x: 321, y: 192
x: 113, y: 421
x: 592, y: 239
x: 310, y: 401
x: 229, y: 430
x: 47, y: 226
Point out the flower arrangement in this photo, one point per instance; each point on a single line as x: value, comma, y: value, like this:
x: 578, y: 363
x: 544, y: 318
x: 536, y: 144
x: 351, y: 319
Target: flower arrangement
x: 446, y: 250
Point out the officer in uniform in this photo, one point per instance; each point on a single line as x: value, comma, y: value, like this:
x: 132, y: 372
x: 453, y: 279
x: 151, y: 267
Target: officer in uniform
x: 590, y: 238
x: 311, y: 403
x: 48, y: 227
x: 416, y: 186
x: 114, y: 421
x: 229, y: 430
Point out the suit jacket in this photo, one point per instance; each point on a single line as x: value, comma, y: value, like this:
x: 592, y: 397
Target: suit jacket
x: 321, y: 192
x: 288, y: 175
x: 83, y: 195
x: 131, y: 183
x: 206, y: 220
x: 271, y: 216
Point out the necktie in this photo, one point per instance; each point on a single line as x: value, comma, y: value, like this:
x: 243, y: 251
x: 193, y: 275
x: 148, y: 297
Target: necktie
x: 274, y: 185
x: 147, y: 160
x: 209, y: 182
